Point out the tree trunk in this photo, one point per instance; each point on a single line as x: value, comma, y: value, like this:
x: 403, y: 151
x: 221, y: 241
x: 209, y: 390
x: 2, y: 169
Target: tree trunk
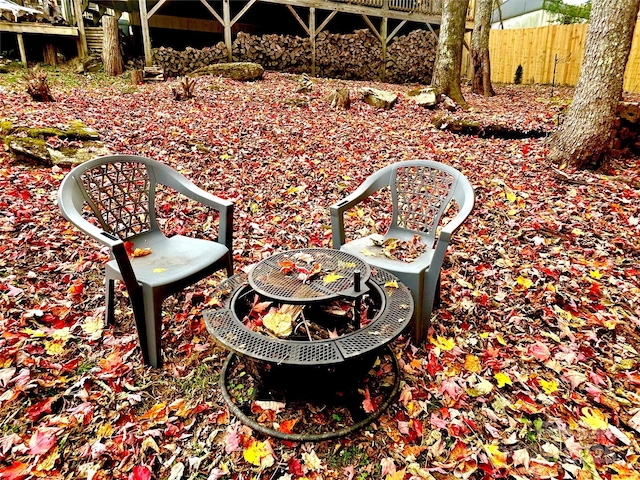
x: 111, y: 56
x: 480, y: 63
x: 446, y: 72
x: 586, y: 134
x: 50, y: 54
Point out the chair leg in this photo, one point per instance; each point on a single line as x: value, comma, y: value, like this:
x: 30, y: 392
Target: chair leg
x: 109, y: 300
x: 153, y: 328
x: 229, y: 264
x: 436, y: 300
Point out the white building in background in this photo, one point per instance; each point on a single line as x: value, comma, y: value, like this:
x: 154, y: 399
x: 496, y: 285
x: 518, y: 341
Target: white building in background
x: 524, y: 14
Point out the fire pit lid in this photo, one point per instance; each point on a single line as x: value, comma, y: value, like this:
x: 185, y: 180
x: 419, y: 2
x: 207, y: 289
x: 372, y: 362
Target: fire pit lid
x: 309, y: 275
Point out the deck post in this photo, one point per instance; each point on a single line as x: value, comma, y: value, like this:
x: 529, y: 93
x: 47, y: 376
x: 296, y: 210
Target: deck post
x: 312, y: 37
x: 226, y: 16
x: 23, y: 51
x: 83, y: 50
x: 146, y: 38
x: 383, y: 41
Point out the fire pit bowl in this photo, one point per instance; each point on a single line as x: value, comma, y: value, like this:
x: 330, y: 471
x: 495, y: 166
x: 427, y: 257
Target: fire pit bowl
x: 299, y: 366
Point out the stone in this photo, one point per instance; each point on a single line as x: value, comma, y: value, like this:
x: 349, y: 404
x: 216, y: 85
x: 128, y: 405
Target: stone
x: 30, y: 150
x: 425, y: 97
x: 379, y: 98
x: 241, y: 71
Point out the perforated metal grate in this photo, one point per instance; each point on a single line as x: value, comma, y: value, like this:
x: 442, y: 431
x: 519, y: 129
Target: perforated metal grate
x: 118, y: 193
x: 393, y: 317
x: 335, y: 276
x: 421, y: 196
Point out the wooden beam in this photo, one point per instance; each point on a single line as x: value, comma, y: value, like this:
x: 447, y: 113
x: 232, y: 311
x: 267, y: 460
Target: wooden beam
x: 226, y: 15
x: 242, y: 12
x: 212, y: 10
x: 383, y: 40
x: 83, y: 50
x: 372, y: 27
x: 395, y: 31
x: 326, y: 21
x: 40, y: 28
x: 297, y: 17
x: 312, y: 36
x: 361, y: 10
x: 146, y: 37
x: 157, y: 6
x: 23, y: 51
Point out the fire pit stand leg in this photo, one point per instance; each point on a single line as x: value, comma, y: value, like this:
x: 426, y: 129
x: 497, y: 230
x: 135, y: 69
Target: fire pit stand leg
x: 314, y: 437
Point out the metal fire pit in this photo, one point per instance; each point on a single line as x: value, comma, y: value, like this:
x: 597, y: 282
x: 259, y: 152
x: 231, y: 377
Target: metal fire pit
x: 312, y: 367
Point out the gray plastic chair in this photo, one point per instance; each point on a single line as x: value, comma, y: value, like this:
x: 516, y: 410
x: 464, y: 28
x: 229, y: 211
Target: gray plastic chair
x: 421, y: 191
x: 120, y: 191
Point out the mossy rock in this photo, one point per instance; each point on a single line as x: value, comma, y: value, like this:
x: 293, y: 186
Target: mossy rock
x: 29, y: 150
x: 242, y: 71
x: 80, y: 131
x: 6, y: 127
x: 70, y: 157
x: 45, y: 132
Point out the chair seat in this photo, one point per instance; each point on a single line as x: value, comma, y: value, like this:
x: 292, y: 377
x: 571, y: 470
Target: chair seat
x: 374, y: 256
x: 171, y: 259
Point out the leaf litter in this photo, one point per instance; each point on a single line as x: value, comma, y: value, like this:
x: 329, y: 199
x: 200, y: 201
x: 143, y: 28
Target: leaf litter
x: 531, y: 370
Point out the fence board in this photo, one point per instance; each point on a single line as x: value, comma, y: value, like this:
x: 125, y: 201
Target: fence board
x: 539, y: 49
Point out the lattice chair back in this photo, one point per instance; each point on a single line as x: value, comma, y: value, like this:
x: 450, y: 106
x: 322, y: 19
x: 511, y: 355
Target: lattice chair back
x: 121, y: 195
x: 420, y: 196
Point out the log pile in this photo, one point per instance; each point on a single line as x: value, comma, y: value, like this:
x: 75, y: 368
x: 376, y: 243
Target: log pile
x: 284, y: 53
x: 354, y: 56
x: 410, y: 58
x: 176, y: 63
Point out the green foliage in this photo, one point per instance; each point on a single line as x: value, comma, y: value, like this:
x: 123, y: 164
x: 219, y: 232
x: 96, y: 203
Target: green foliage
x: 517, y: 79
x: 566, y: 13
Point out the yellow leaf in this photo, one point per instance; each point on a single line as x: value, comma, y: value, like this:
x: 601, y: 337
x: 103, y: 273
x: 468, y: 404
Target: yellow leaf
x: 549, y: 387
x: 577, y: 232
x: 498, y: 459
x: 502, y: 379
x: 159, y: 270
x: 501, y: 339
x: 443, y: 343
x: 481, y: 388
x: 595, y: 274
x: 524, y: 281
x: 594, y: 418
x: 331, y: 277
x: 53, y: 348
x: 279, y: 323
x: 105, y: 430
x: 368, y: 253
x: 93, y: 326
x: 259, y: 454
x: 62, y: 334
x: 511, y: 196
x: 34, y: 333
x: 391, y: 284
x: 398, y: 475
x: 472, y: 363
x: 48, y: 462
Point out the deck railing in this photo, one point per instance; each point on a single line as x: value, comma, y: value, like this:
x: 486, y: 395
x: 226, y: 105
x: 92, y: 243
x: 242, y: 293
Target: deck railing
x: 425, y: 7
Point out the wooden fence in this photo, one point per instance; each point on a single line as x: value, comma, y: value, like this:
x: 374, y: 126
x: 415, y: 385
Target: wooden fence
x: 543, y: 49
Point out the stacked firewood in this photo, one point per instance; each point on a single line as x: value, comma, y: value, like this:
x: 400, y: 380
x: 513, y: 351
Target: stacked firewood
x: 357, y: 55
x: 176, y: 63
x: 274, y: 52
x: 410, y: 58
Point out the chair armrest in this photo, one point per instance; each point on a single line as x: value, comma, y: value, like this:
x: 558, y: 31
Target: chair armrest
x: 370, y: 186
x: 225, y: 208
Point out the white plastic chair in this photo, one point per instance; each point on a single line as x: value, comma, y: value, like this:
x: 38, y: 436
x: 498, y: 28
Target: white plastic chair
x: 120, y: 192
x: 421, y: 191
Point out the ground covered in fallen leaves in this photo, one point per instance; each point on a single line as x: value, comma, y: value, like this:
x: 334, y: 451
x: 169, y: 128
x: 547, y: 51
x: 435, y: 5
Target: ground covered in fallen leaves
x: 531, y: 370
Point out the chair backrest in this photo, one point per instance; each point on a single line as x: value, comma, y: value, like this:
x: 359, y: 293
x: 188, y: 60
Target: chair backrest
x: 421, y: 191
x: 120, y: 190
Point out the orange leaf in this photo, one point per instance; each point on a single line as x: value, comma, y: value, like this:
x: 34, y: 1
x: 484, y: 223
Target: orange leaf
x: 158, y: 411
x: 287, y: 426
x: 497, y: 458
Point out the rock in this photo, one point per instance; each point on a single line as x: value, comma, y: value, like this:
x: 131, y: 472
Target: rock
x: 88, y: 64
x: 379, y: 98
x: 73, y: 157
x: 340, y: 99
x: 425, y: 97
x: 242, y: 71
x: 30, y: 150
